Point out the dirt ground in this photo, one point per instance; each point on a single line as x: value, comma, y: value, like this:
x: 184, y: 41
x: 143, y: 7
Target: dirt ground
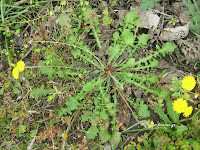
x: 166, y: 21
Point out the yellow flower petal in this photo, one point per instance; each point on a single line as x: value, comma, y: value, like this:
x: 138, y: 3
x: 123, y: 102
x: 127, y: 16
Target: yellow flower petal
x: 20, y: 65
x: 151, y: 124
x: 180, y: 105
x: 15, y: 73
x: 188, y: 83
x: 64, y: 135
x: 188, y: 111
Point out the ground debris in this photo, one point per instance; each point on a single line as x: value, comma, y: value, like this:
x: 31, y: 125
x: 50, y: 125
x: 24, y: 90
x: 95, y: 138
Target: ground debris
x: 170, y: 34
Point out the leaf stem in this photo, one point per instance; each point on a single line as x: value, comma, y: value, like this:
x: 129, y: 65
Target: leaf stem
x: 75, y: 47
x: 97, y: 39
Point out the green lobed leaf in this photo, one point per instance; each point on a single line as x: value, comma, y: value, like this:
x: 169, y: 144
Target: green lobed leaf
x: 39, y: 92
x: 196, y: 145
x: 150, y: 61
x: 22, y: 129
x: 96, y: 101
x: 114, y: 52
x: 143, y: 38
x: 167, y: 48
x: 143, y: 111
x: 105, y: 12
x: 116, y: 36
x: 180, y: 129
x: 89, y: 86
x: 152, y: 78
x: 115, y: 138
x: 176, y: 94
x: 92, y: 132
x: 86, y: 13
x: 164, y: 93
x: 72, y: 103
x: 147, y: 4
x: 131, y: 17
x: 127, y: 37
x: 110, y: 106
x: 71, y: 40
x: 104, y: 135
x: 154, y: 63
x: 174, y: 88
x: 130, y: 62
x: 63, y: 111
x: 87, y: 17
x: 85, y: 116
x: 33, y: 133
x: 1, y: 91
x: 76, y: 53
x: 60, y: 74
x: 64, y: 20
x: 103, y: 114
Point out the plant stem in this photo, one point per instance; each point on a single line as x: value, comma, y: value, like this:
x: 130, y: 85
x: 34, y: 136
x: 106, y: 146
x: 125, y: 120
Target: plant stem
x: 48, y: 66
x: 119, y: 92
x: 2, y: 11
x: 97, y: 39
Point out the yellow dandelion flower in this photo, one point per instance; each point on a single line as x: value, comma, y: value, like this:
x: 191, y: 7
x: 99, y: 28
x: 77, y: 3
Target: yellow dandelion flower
x: 151, y: 124
x: 180, y: 105
x: 188, y: 111
x: 20, y: 65
x: 64, y: 135
x: 15, y: 73
x: 50, y: 97
x: 188, y: 83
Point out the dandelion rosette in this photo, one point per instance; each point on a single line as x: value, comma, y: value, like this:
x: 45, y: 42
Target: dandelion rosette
x: 180, y: 105
x: 188, y: 83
